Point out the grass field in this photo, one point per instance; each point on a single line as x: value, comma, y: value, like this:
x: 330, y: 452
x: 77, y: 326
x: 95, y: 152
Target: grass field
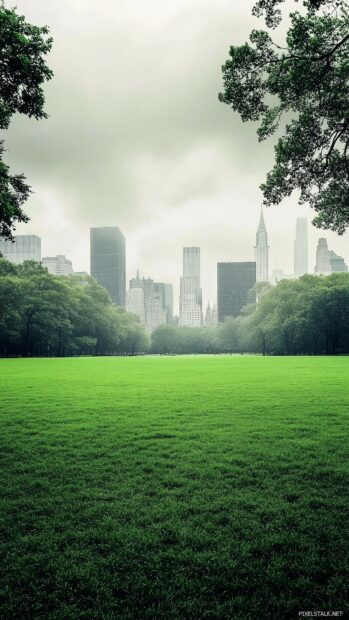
x: 174, y: 487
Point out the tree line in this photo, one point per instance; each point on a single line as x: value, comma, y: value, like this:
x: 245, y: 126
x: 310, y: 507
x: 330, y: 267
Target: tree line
x: 46, y: 315
x: 308, y: 316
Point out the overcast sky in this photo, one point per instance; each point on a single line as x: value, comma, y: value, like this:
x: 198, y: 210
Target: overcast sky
x: 138, y: 139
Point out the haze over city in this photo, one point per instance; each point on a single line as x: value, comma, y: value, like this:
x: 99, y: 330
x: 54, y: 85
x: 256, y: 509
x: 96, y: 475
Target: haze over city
x: 150, y: 149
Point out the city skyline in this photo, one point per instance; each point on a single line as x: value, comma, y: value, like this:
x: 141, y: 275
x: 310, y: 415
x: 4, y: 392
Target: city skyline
x: 209, y: 274
x: 180, y: 170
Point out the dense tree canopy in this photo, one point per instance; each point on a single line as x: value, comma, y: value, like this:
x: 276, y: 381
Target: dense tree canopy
x: 23, y: 71
x: 301, y: 90
x: 41, y: 314
x: 308, y: 316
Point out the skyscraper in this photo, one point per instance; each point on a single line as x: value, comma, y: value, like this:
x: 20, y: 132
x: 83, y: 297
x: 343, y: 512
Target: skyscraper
x: 108, y: 261
x: 234, y: 284
x: 190, y: 301
x: 337, y: 263
x: 155, y: 313
x: 24, y: 247
x: 322, y: 266
x: 262, y: 252
x: 166, y: 292
x: 169, y: 301
x: 58, y: 265
x: 147, y: 299
x: 301, y: 247
x: 135, y: 302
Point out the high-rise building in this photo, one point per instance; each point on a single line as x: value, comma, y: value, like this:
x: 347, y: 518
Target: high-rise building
x: 262, y: 252
x: 58, y: 265
x: 234, y: 284
x: 322, y: 266
x: 190, y: 301
x: 135, y: 302
x: 24, y: 247
x: 169, y: 301
x: 147, y: 299
x: 155, y: 313
x: 337, y: 263
x: 108, y: 261
x: 301, y: 247
x: 166, y: 292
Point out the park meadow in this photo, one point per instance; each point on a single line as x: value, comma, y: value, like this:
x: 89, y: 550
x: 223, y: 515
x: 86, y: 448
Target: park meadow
x: 158, y: 487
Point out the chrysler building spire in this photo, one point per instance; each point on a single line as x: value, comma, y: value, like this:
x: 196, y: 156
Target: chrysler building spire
x: 262, y: 251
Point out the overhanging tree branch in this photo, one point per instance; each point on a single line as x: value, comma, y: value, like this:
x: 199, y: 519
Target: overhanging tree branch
x: 309, y: 82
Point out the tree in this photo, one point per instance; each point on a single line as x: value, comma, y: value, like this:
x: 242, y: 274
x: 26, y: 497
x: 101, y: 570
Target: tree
x: 23, y: 71
x: 166, y: 339
x: 42, y: 314
x: 180, y: 340
x: 305, y: 86
x: 228, y: 337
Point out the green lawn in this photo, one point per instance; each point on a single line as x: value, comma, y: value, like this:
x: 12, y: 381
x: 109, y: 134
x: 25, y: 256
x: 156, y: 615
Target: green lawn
x: 173, y: 487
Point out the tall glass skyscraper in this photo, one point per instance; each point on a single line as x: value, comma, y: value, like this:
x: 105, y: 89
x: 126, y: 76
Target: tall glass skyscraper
x: 108, y: 261
x: 190, y: 301
x: 262, y: 252
x: 301, y: 247
x: 234, y: 284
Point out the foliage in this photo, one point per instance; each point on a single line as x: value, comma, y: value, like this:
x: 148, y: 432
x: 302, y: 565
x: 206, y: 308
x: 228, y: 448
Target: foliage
x: 173, y: 488
x: 308, y: 316
x: 305, y: 316
x: 45, y: 315
x: 305, y: 85
x: 180, y: 340
x: 23, y: 71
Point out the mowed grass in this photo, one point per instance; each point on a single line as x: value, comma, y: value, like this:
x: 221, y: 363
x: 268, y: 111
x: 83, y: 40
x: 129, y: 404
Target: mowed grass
x: 173, y: 487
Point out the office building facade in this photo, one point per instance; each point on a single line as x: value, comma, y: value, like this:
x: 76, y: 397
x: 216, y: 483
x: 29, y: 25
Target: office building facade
x: 337, y: 263
x: 169, y: 301
x: 146, y: 299
x: 234, y: 284
x: 108, y: 262
x: 166, y: 292
x: 135, y: 303
x: 322, y: 266
x: 24, y: 247
x: 58, y: 265
x: 190, y: 301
